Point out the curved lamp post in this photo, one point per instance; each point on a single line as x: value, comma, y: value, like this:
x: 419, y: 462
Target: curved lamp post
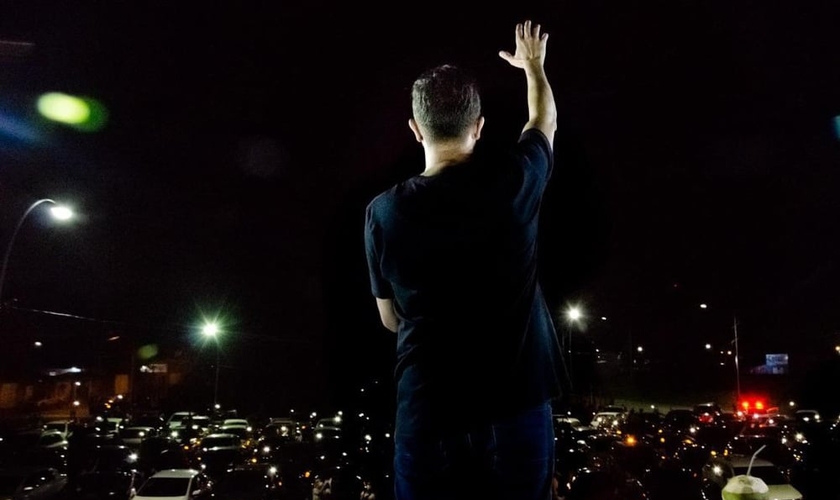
x: 60, y: 212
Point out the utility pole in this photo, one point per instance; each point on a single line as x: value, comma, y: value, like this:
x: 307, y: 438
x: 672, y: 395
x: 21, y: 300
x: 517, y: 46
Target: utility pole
x: 737, y: 368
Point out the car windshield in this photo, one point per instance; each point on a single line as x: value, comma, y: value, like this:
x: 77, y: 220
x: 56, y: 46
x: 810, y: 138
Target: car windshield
x: 135, y: 433
x: 165, y: 487
x: 50, y: 439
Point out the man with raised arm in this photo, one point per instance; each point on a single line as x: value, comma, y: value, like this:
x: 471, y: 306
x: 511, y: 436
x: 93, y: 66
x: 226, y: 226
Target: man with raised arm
x: 452, y: 257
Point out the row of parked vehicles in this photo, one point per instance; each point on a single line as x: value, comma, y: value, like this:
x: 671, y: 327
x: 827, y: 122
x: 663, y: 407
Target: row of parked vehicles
x: 694, y: 453
x: 615, y: 453
x: 134, y: 457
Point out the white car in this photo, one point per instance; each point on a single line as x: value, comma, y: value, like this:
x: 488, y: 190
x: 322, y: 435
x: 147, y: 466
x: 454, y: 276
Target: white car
x: 65, y: 427
x: 607, y: 421
x: 719, y: 470
x: 174, y: 484
x: 236, y: 421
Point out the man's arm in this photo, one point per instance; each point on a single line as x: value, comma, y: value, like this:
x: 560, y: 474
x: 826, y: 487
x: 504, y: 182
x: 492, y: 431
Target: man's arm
x: 387, y: 314
x: 530, y: 56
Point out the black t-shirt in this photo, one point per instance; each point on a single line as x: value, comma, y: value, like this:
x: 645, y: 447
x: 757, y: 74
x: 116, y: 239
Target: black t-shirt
x: 457, y: 253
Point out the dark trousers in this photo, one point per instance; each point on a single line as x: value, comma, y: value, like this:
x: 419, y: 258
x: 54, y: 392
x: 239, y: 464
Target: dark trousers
x: 510, y: 459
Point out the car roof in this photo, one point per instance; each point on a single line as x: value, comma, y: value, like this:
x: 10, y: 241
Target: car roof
x: 177, y: 473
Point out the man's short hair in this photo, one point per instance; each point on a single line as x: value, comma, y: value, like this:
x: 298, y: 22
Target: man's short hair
x: 445, y: 101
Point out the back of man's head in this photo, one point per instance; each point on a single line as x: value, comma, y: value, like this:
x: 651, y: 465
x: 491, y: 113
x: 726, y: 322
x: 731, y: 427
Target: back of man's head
x: 445, y: 102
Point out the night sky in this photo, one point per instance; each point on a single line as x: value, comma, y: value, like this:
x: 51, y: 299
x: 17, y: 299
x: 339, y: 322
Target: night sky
x: 697, y: 162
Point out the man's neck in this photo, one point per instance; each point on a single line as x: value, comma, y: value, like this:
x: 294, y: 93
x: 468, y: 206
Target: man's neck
x: 439, y: 157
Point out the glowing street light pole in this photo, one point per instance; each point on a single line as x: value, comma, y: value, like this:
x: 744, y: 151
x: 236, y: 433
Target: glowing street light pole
x: 212, y: 330
x: 58, y: 211
x: 573, y: 315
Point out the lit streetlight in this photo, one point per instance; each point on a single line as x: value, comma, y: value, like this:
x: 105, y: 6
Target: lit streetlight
x: 58, y: 212
x: 573, y: 315
x: 212, y: 330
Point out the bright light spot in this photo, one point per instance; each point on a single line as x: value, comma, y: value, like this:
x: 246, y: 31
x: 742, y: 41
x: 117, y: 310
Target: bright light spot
x: 76, y: 403
x: 217, y: 406
x: 266, y: 449
x: 148, y: 351
x: 603, y: 318
x: 74, y: 369
x: 38, y: 343
x: 640, y: 349
x: 63, y: 108
x: 708, y: 347
x: 133, y: 457
x: 119, y: 396
x: 61, y: 212
x: 272, y: 470
x: 82, y: 113
x: 77, y: 383
x: 574, y: 313
x: 210, y: 329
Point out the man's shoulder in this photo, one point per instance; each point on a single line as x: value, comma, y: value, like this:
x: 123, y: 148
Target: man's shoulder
x: 385, y: 200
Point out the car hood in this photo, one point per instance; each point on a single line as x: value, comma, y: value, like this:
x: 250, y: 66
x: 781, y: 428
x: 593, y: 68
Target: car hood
x: 783, y: 492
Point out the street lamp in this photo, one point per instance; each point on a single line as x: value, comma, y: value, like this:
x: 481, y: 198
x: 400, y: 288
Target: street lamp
x: 212, y: 330
x: 58, y: 212
x: 573, y: 315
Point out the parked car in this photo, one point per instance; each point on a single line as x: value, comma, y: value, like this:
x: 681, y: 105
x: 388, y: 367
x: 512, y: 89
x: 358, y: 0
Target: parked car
x: 31, y: 483
x: 260, y: 481
x: 215, y: 453
x: 708, y: 413
x: 65, y: 427
x: 133, y: 436
x: 719, y: 470
x: 607, y: 421
x: 111, y: 472
x: 175, y: 484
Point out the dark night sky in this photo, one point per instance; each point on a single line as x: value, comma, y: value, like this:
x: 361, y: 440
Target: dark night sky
x: 697, y: 162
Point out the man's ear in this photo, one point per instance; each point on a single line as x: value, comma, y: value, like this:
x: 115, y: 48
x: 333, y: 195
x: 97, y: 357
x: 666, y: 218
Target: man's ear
x: 478, y: 126
x: 416, y: 129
